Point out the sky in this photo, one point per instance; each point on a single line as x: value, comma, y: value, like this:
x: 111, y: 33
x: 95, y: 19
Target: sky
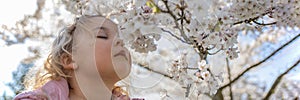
x: 278, y: 64
x: 10, y: 57
x: 14, y: 10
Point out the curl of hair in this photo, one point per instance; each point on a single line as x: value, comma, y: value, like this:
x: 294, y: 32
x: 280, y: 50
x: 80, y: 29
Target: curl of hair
x: 53, y: 67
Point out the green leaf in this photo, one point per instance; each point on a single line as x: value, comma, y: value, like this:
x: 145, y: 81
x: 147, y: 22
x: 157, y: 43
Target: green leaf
x: 152, y: 5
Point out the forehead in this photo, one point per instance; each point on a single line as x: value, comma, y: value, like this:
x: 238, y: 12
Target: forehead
x: 94, y: 22
x: 108, y: 24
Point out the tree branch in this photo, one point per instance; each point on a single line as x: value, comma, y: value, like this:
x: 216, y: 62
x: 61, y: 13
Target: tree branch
x: 213, y: 53
x: 277, y: 81
x: 253, y: 66
x: 175, y: 21
x: 190, y: 68
x: 151, y: 70
x: 255, y: 18
x: 229, y: 77
x: 264, y: 24
x: 178, y: 38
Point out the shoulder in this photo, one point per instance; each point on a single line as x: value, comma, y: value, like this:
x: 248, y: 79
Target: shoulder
x: 53, y: 90
x: 31, y: 95
x: 56, y: 89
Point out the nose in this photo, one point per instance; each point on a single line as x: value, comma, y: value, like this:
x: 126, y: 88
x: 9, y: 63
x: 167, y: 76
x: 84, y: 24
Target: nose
x: 119, y: 42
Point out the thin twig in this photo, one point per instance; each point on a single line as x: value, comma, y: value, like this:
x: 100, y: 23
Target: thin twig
x: 253, y: 19
x: 190, y: 68
x: 151, y: 70
x: 175, y: 21
x: 181, y: 22
x: 229, y: 78
x: 211, y: 47
x: 264, y: 24
x: 175, y: 36
x: 253, y: 66
x: 277, y: 81
x: 213, y: 53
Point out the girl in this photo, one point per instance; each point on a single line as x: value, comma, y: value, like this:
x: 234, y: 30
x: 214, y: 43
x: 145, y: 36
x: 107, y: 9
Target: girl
x: 84, y: 63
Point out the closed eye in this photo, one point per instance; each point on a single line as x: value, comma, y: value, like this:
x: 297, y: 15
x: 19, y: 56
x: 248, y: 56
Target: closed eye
x: 102, y: 34
x: 102, y: 37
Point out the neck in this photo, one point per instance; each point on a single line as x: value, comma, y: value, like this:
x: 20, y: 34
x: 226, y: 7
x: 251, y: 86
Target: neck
x: 77, y: 91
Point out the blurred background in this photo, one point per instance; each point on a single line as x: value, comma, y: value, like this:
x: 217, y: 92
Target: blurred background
x: 29, y: 26
x: 12, y: 55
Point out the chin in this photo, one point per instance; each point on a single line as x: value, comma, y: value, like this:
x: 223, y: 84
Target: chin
x: 124, y: 71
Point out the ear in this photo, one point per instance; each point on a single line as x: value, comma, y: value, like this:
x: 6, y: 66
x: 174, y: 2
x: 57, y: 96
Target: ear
x: 67, y: 62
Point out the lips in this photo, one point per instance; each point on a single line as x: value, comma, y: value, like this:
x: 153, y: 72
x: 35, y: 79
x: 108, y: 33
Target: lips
x: 121, y: 53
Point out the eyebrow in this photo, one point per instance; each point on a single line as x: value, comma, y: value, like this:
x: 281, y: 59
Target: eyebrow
x: 104, y: 28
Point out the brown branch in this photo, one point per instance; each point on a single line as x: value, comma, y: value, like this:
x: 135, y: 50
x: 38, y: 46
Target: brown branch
x: 253, y: 66
x: 175, y: 21
x: 210, y: 48
x: 181, y: 22
x: 264, y: 24
x: 191, y: 68
x: 255, y: 18
x: 229, y: 77
x: 151, y: 70
x: 246, y: 20
x: 175, y: 36
x: 278, y: 80
x: 213, y: 53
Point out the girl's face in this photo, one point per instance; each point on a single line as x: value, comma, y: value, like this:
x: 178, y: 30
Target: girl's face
x: 100, y: 57
x: 113, y: 60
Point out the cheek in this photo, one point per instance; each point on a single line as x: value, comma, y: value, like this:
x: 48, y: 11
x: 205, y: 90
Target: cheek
x: 103, y: 57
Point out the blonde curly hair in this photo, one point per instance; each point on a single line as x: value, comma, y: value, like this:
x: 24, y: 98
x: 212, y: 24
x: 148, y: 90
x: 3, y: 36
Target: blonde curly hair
x: 52, y: 68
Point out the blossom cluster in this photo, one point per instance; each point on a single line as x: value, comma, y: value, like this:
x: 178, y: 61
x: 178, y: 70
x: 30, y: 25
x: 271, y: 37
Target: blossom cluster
x: 138, y: 27
x: 144, y: 19
x: 287, y: 13
x: 209, y: 27
x: 202, y: 79
x: 280, y: 12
